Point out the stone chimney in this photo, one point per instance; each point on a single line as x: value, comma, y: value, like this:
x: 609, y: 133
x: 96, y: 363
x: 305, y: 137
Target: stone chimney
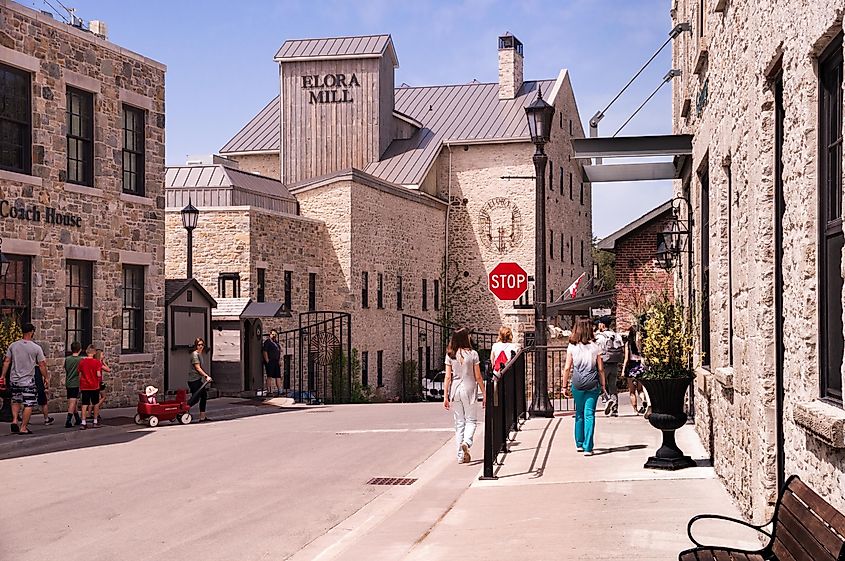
x: 510, y: 66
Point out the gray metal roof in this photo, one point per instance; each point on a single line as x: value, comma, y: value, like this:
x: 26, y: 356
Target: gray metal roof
x: 336, y: 47
x: 609, y: 242
x: 174, y: 287
x: 265, y: 310
x: 218, y: 175
x: 456, y: 113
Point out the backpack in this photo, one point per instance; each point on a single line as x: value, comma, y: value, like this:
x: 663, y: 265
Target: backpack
x: 613, y: 349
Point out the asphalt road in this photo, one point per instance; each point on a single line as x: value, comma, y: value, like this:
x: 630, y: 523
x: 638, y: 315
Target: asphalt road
x: 251, y: 488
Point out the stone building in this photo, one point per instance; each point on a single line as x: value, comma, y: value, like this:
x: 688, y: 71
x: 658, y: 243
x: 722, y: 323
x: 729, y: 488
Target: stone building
x: 638, y: 274
x: 81, y: 195
x: 412, y: 194
x: 761, y: 91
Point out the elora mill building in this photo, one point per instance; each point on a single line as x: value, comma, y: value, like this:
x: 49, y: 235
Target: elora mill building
x: 347, y: 194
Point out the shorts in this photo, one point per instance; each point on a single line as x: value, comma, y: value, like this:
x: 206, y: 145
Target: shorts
x: 273, y: 369
x: 25, y: 394
x: 72, y: 393
x: 633, y: 369
x: 40, y: 393
x: 90, y: 397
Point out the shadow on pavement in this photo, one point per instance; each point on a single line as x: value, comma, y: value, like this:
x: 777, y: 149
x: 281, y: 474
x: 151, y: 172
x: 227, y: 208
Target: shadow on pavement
x: 20, y: 446
x: 626, y: 448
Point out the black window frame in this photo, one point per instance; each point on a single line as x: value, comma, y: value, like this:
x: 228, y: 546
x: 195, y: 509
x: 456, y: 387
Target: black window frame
x: 365, y: 289
x: 380, y: 369
x: 704, y: 294
x: 223, y: 279
x: 399, y: 295
x: 562, y: 246
x: 312, y: 292
x: 17, y: 123
x: 582, y: 193
x: 82, y: 136
x: 582, y: 253
x: 79, y: 301
x: 18, y: 282
x: 436, y: 294
x: 380, y: 291
x: 134, y: 156
x: 570, y: 186
x: 831, y: 239
x: 132, y: 328
x: 425, y: 295
x: 571, y: 250
x: 288, y: 286
x: 551, y: 175
x: 260, y: 284
x: 561, y: 181
x: 365, y: 368
x: 551, y: 245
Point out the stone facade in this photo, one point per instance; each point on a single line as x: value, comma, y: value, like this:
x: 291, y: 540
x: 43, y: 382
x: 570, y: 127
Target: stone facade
x: 113, y: 228
x: 262, y: 164
x: 726, y: 97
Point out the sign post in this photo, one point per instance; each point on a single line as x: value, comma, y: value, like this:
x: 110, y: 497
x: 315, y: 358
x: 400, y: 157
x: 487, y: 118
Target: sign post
x: 507, y: 281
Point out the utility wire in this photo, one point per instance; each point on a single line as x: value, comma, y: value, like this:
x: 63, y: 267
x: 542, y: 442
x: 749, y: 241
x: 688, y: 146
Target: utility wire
x: 55, y: 11
x: 663, y: 83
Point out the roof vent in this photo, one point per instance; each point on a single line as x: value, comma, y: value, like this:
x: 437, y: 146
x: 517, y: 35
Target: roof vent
x: 98, y: 28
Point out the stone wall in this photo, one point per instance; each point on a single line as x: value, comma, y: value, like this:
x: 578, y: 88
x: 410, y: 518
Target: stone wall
x: 731, y: 112
x: 262, y: 164
x: 115, y: 229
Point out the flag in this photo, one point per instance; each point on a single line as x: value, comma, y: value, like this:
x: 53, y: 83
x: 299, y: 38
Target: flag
x: 573, y: 288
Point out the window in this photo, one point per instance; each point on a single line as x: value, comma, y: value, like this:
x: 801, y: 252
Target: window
x: 365, y: 369
x: 571, y: 251
x: 229, y: 285
x: 15, y: 120
x: 570, y: 186
x: 730, y: 266
x: 582, y: 253
x: 380, y: 291
x: 78, y: 310
x: 570, y: 127
x: 380, y: 368
x: 562, y: 244
x: 704, y: 180
x: 312, y: 292
x: 262, y: 278
x: 551, y: 245
x: 398, y: 292
x: 80, y: 137
x: 561, y: 181
x: 830, y: 228
x: 288, y: 290
x: 16, y: 289
x: 436, y: 294
x: 365, y: 289
x: 551, y: 176
x: 551, y: 295
x: 425, y: 295
x: 582, y: 193
x: 133, y: 151
x: 133, y: 309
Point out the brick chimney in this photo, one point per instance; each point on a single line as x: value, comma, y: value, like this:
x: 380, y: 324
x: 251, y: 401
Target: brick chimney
x: 510, y: 66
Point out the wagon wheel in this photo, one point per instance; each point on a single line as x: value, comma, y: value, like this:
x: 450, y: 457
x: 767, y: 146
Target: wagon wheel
x: 185, y: 419
x: 324, y: 346
x: 139, y: 420
x: 153, y: 421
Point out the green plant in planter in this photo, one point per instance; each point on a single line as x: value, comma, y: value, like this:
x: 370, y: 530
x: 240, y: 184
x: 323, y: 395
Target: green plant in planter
x: 666, y: 341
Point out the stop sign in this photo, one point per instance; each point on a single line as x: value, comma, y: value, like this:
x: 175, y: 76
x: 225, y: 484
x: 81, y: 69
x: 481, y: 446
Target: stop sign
x: 507, y: 281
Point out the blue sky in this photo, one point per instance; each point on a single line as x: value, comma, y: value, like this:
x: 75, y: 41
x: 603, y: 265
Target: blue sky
x: 221, y: 72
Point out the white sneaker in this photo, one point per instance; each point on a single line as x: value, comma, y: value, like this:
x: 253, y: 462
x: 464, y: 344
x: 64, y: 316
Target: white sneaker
x: 608, y: 407
x: 579, y: 449
x: 590, y: 453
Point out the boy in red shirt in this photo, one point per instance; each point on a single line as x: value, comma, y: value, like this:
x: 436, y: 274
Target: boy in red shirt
x: 90, y: 376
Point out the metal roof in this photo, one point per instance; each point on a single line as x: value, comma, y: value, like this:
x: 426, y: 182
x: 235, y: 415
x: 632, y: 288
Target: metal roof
x: 230, y: 307
x: 265, y: 310
x: 609, y: 242
x: 174, y: 287
x: 366, y: 46
x: 581, y: 304
x: 218, y: 175
x: 448, y: 114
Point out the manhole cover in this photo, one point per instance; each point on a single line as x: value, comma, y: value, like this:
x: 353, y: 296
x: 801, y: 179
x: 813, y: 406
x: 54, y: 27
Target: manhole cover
x: 391, y: 481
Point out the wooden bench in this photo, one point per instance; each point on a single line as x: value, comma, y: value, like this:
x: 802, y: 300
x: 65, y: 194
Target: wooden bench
x: 805, y: 527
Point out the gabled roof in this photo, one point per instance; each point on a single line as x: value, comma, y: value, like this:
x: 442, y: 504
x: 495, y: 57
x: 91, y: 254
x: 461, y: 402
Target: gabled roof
x: 367, y: 46
x: 174, y: 287
x: 230, y: 308
x: 218, y: 175
x: 609, y: 243
x: 260, y: 134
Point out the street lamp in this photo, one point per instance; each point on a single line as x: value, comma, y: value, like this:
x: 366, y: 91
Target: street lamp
x: 190, y: 215
x: 672, y: 241
x: 4, y: 261
x: 540, y: 115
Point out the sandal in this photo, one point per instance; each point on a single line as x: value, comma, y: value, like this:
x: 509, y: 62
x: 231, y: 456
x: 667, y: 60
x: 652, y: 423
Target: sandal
x: 25, y: 433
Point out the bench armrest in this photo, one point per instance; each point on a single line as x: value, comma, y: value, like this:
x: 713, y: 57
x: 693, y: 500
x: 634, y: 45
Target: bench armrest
x: 695, y: 519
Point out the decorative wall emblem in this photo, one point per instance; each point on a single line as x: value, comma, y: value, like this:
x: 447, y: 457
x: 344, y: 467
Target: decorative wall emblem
x: 500, y: 225
x: 324, y: 346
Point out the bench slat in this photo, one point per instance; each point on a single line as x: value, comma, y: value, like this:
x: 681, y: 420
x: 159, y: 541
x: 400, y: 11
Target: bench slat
x: 820, y: 506
x: 814, y: 526
x: 712, y: 554
x: 786, y: 547
x: 801, y: 531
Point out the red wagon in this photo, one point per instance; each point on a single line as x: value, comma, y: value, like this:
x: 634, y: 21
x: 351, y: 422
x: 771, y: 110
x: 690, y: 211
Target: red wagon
x: 153, y: 413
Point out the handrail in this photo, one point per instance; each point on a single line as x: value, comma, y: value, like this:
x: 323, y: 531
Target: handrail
x: 506, y: 405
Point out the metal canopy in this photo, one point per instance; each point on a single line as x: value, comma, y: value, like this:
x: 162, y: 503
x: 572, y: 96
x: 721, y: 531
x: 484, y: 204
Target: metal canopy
x: 265, y: 310
x: 632, y: 146
x: 581, y: 304
x: 630, y: 172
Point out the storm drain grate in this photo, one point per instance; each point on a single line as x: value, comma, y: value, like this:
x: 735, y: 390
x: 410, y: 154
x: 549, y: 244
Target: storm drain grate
x: 391, y: 481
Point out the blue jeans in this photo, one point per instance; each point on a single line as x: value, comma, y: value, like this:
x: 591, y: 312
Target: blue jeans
x: 585, y: 417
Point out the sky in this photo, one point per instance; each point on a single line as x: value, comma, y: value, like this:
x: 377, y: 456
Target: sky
x: 220, y: 68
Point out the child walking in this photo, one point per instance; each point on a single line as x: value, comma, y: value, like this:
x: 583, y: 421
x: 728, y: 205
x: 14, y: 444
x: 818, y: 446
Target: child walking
x: 463, y: 378
x: 72, y: 383
x: 90, y: 377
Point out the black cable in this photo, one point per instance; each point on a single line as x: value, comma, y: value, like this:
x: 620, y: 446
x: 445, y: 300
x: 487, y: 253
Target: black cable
x: 663, y: 83
x: 55, y: 11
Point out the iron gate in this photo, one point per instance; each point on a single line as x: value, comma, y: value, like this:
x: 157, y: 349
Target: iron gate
x: 316, y: 365
x: 424, y: 345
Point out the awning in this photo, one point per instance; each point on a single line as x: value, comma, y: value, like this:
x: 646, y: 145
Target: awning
x: 676, y: 146
x: 265, y: 310
x: 582, y: 304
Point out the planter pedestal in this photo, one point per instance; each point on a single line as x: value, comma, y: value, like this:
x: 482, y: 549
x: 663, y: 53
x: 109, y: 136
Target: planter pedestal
x: 667, y: 414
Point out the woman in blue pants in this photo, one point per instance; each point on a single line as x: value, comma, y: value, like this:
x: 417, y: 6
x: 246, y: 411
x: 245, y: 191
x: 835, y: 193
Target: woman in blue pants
x: 585, y: 369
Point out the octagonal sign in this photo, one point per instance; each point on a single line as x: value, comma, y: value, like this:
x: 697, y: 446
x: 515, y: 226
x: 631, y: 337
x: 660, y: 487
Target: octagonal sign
x: 508, y: 281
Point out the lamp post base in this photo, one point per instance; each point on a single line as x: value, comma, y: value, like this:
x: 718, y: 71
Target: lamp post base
x: 541, y: 407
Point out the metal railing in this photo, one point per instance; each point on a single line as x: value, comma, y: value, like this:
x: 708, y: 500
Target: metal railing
x: 555, y: 361
x: 506, y: 407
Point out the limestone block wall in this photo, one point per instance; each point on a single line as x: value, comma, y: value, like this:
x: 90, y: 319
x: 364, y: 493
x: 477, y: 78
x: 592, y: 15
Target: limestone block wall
x: 262, y: 164
x: 114, y: 229
x: 731, y: 113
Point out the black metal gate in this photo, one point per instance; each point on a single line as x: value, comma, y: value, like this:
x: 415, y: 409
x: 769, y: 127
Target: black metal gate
x: 316, y: 365
x: 424, y: 348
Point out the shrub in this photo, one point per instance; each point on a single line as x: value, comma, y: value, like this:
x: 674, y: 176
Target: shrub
x: 667, y: 341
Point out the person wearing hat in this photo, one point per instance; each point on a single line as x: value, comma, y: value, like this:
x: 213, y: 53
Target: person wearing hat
x: 23, y: 357
x: 612, y: 354
x: 151, y: 392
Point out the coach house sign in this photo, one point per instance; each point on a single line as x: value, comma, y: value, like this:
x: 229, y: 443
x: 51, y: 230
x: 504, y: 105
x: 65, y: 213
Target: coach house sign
x: 330, y: 88
x: 47, y: 215
x: 500, y: 225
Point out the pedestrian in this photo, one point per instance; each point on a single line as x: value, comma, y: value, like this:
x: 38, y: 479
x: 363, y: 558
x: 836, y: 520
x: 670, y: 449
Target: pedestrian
x: 612, y: 355
x: 272, y: 354
x: 503, y: 349
x: 24, y: 356
x: 42, y: 386
x: 197, y: 376
x: 585, y: 368
x: 105, y: 368
x: 90, y: 378
x: 72, y: 383
x: 463, y: 378
x: 632, y: 366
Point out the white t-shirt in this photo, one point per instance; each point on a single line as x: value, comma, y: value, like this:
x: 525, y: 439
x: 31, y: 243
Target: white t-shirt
x: 463, y: 372
x: 583, y: 356
x: 499, y: 347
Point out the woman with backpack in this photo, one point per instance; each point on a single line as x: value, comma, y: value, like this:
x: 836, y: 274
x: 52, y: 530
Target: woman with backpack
x: 584, y: 367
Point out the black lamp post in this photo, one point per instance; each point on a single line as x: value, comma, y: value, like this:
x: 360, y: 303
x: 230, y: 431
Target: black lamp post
x: 540, y: 115
x: 190, y: 215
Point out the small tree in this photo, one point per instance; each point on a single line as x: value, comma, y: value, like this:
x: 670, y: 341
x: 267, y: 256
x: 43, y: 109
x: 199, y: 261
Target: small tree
x: 605, y: 264
x: 667, y: 340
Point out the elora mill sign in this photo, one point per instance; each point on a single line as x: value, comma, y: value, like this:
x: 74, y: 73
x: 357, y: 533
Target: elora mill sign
x: 330, y: 88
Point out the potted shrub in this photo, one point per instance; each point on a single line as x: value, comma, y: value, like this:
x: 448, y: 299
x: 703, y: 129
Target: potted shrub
x: 10, y: 331
x: 666, y: 347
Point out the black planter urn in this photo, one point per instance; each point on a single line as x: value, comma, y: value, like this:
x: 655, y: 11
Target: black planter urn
x: 667, y: 414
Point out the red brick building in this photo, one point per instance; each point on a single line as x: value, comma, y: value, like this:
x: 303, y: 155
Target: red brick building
x: 637, y: 272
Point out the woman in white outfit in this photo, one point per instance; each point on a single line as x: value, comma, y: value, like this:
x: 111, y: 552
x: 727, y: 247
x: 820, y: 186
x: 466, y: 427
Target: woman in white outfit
x: 463, y: 378
x: 504, y: 344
